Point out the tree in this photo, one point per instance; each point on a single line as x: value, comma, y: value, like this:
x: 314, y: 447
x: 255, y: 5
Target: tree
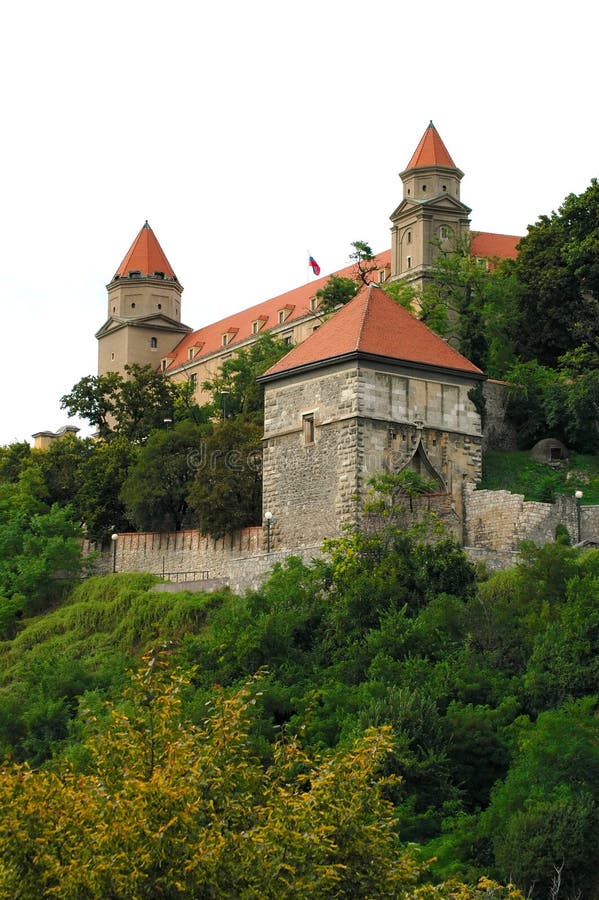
x: 98, y: 501
x: 131, y: 406
x: 455, y: 301
x: 558, y: 275
x: 226, y: 493
x: 40, y: 554
x: 364, y: 261
x: 154, y: 492
x: 170, y: 809
x: 235, y: 390
x: 338, y: 291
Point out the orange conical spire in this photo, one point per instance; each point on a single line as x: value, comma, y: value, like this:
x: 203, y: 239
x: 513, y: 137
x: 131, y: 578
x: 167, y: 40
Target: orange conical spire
x: 145, y: 256
x: 431, y: 151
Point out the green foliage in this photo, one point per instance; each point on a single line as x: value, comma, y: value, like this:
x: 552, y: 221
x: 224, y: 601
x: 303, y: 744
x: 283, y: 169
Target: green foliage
x: 338, y: 291
x: 515, y: 471
x: 544, y: 816
x: 226, y: 493
x: 131, y: 406
x: 236, y: 394
x: 543, y: 402
x: 155, y: 490
x: 40, y: 556
x: 198, y: 816
x: 558, y: 277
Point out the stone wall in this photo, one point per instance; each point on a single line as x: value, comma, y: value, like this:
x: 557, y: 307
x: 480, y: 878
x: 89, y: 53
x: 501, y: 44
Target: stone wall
x: 500, y: 520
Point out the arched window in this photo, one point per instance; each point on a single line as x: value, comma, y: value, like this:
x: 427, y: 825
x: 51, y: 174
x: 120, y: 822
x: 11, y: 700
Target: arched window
x: 153, y: 343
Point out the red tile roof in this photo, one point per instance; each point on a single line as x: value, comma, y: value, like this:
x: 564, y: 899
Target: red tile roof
x: 431, y: 151
x: 375, y: 325
x: 145, y: 255
x: 296, y: 304
x: 487, y: 245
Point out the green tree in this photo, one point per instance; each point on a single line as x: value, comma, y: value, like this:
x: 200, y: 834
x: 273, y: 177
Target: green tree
x: 558, y: 275
x: 226, y: 493
x: 102, y: 475
x: 131, y: 406
x: 337, y: 291
x: 170, y: 809
x: 235, y: 390
x: 155, y: 490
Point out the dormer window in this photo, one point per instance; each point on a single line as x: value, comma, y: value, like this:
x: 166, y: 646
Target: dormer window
x: 159, y: 275
x: 229, y: 335
x: 284, y: 313
x: 259, y: 323
x: 163, y: 364
x: 382, y: 275
x: 313, y: 304
x: 135, y: 273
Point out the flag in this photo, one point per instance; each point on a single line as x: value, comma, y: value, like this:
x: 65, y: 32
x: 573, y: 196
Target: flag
x: 315, y: 267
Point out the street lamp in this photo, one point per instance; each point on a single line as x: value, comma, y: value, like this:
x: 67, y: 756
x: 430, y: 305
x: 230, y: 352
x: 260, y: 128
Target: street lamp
x: 167, y: 422
x: 268, y: 520
x: 579, y: 496
x: 114, y: 538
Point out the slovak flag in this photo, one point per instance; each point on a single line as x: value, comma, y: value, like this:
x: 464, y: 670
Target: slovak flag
x: 315, y: 267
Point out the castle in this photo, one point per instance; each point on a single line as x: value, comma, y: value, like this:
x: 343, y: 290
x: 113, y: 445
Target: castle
x: 372, y: 389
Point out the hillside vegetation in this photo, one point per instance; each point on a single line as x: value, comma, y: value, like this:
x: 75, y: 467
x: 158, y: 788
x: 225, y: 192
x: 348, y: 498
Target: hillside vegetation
x: 487, y: 690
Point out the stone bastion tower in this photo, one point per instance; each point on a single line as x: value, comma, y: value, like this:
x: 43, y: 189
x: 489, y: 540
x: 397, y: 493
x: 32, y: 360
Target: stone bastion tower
x: 372, y: 390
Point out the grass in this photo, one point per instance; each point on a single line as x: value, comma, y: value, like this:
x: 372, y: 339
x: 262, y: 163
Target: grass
x: 517, y: 472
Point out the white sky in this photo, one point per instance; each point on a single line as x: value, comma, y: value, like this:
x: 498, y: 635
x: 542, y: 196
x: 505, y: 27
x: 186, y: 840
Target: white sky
x: 250, y: 134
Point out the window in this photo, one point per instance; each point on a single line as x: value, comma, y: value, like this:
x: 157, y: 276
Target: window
x: 282, y: 315
x: 136, y: 273
x: 288, y: 339
x: 160, y: 306
x: 114, y: 309
x: 409, y: 237
x: 191, y: 353
x: 408, y: 192
x: 112, y: 357
x: 226, y: 339
x: 409, y: 262
x: 315, y: 327
x: 308, y: 428
x: 163, y: 364
x: 444, y: 188
x: 381, y: 276
x: 153, y: 343
x: 158, y: 274
x: 444, y: 232
x: 423, y: 188
x: 313, y: 303
x: 193, y: 379
x: 133, y: 306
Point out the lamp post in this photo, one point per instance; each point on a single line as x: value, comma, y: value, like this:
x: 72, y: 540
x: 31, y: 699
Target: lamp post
x: 114, y: 538
x: 268, y: 520
x: 167, y: 423
x: 578, y: 495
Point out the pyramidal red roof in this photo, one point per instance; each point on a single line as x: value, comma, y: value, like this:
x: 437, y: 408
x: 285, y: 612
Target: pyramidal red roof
x: 145, y: 255
x: 431, y: 151
x: 375, y: 325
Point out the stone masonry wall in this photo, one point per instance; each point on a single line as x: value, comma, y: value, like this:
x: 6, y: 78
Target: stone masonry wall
x: 499, y: 432
x: 310, y: 484
x: 499, y: 520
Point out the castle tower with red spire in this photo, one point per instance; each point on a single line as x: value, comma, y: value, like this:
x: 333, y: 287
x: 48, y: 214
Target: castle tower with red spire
x: 144, y: 309
x: 431, y: 215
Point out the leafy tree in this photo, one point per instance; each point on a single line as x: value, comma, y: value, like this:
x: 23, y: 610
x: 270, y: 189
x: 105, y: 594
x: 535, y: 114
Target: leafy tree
x: 61, y: 465
x: 102, y: 475
x: 364, y: 261
x: 155, y: 490
x: 40, y: 556
x: 455, y: 301
x: 544, y: 816
x: 170, y: 809
x: 338, y: 291
x: 131, y: 406
x: 12, y: 459
x: 235, y: 390
x: 545, y: 402
x: 558, y: 275
x: 226, y: 493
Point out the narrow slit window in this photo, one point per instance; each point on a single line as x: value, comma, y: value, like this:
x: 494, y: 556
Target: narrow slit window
x: 308, y: 427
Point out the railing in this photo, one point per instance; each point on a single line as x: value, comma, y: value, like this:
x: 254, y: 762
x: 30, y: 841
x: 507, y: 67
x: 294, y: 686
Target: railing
x: 178, y: 577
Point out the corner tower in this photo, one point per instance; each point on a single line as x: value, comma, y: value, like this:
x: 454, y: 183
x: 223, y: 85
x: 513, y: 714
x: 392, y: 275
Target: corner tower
x: 144, y: 308
x: 431, y: 214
